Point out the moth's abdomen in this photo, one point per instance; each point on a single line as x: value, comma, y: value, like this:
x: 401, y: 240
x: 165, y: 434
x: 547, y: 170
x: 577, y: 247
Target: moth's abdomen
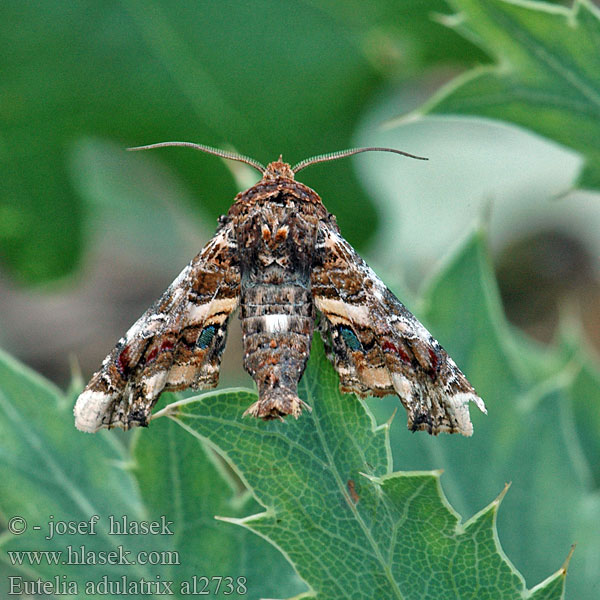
x: 277, y: 326
x: 276, y: 240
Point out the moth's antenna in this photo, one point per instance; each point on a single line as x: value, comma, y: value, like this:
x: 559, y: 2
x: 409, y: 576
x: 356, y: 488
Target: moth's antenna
x: 216, y: 151
x: 343, y: 153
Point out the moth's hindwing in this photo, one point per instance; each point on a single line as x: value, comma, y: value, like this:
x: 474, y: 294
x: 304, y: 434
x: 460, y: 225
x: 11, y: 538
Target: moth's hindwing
x: 378, y: 347
x: 175, y: 344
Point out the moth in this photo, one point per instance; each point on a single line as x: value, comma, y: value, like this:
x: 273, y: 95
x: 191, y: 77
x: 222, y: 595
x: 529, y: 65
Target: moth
x: 278, y: 255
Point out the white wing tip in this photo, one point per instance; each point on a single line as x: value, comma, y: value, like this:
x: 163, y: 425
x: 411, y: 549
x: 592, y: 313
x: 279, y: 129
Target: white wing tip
x: 90, y: 410
x: 465, y: 398
x: 461, y: 403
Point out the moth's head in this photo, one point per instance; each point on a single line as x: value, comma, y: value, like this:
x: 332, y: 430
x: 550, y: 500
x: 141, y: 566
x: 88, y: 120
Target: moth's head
x: 278, y: 170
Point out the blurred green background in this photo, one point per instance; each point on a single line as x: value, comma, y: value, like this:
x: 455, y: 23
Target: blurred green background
x: 90, y: 235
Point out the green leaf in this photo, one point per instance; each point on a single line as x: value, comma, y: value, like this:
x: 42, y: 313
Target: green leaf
x: 309, y: 473
x: 136, y: 206
x: 585, y: 404
x: 401, y: 38
x: 546, y: 75
x: 527, y: 438
x: 349, y: 525
x: 179, y: 476
x: 52, y: 472
x: 263, y: 77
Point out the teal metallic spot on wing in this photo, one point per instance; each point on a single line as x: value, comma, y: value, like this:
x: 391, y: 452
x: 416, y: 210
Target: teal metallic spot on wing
x: 206, y: 336
x: 350, y: 338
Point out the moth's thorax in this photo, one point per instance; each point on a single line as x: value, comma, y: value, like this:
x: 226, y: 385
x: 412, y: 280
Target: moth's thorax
x: 276, y: 240
x: 280, y: 191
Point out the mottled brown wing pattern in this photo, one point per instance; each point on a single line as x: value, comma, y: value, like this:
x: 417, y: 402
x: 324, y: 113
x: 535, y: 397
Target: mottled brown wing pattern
x: 175, y: 344
x: 378, y: 347
x: 278, y: 252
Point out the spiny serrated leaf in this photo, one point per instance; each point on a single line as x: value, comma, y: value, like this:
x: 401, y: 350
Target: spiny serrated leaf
x: 180, y: 477
x: 52, y: 472
x: 546, y: 77
x: 351, y: 527
x: 527, y: 438
x: 530, y: 441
